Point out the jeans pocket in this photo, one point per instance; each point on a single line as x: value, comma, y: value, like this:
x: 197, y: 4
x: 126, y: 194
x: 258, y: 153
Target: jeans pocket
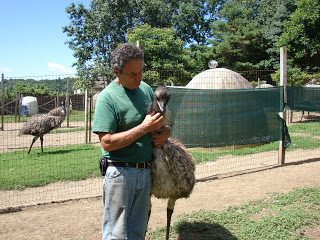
x: 114, y: 174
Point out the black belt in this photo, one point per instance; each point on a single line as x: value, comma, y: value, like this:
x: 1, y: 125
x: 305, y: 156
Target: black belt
x: 138, y: 166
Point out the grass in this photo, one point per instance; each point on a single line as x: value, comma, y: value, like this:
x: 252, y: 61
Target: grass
x: 61, y: 130
x: 282, y: 216
x: 17, y: 171
x: 304, y: 140
x: 71, y: 163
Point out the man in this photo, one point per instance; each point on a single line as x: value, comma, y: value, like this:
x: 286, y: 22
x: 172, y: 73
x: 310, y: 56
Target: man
x: 124, y: 133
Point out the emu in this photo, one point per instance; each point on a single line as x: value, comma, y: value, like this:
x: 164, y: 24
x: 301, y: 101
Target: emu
x: 59, y: 112
x: 40, y: 124
x: 172, y: 169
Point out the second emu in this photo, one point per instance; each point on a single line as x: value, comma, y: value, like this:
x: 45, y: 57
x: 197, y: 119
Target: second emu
x: 172, y: 168
x: 40, y: 124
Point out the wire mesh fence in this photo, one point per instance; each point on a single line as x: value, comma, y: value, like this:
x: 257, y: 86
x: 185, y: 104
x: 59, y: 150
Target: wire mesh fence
x: 221, y: 128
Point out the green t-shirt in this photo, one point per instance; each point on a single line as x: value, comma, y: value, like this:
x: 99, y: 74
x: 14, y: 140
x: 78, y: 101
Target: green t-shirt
x: 119, y: 109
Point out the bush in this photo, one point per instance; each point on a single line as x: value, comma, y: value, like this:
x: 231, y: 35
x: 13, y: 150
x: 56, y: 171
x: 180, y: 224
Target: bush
x: 296, y: 77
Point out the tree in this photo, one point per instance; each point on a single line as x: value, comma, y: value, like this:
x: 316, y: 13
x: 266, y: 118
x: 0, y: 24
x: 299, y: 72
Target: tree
x: 192, y: 22
x: 271, y: 17
x: 301, y: 35
x: 162, y: 51
x: 238, y: 39
x: 94, y: 32
x: 31, y: 89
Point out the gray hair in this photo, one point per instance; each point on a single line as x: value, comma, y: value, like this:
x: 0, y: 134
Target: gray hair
x: 124, y: 53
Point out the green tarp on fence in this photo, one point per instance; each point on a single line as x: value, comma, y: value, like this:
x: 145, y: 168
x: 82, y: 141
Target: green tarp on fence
x: 304, y: 98
x: 213, y: 118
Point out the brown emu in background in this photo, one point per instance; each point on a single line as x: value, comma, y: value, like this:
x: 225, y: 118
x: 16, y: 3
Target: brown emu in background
x: 173, y: 168
x: 40, y: 124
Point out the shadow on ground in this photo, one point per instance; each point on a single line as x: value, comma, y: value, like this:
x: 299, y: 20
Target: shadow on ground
x: 203, y: 231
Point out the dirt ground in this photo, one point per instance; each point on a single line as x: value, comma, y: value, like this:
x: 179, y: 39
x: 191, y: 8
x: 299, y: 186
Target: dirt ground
x: 81, y: 219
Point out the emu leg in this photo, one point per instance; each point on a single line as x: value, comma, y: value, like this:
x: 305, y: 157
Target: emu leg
x: 302, y: 116
x: 41, y: 140
x: 170, y: 207
x: 149, y: 213
x: 33, y: 140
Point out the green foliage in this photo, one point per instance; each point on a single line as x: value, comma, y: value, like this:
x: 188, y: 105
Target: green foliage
x: 282, y: 216
x: 159, y: 42
x: 32, y: 89
x: 94, y: 32
x: 185, y: 35
x: 35, y: 88
x: 152, y: 78
x: 271, y: 17
x: 295, y: 77
x: 301, y: 35
x: 7, y: 94
x: 162, y: 51
x: 192, y: 23
x: 238, y: 37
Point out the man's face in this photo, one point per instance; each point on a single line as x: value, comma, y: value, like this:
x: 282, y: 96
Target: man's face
x: 131, y: 75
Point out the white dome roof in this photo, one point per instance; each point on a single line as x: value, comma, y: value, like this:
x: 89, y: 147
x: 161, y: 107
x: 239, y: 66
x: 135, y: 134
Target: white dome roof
x: 219, y: 78
x: 265, y: 85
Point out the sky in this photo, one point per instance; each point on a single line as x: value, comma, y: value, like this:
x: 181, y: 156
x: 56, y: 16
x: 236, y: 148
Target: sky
x: 31, y: 39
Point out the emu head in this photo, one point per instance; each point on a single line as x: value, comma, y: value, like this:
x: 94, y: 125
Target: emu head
x: 161, y: 99
x: 63, y: 105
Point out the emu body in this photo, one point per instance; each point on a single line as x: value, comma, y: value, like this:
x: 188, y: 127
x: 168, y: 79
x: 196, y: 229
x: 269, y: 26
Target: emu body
x: 40, y: 124
x: 172, y: 169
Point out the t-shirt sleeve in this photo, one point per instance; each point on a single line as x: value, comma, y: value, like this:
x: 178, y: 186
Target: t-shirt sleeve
x: 104, y: 119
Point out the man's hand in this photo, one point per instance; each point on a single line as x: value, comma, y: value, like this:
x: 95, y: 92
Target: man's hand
x: 161, y: 138
x: 115, y: 141
x: 153, y: 122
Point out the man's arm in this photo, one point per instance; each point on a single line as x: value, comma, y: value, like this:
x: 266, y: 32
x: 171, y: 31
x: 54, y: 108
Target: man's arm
x: 115, y: 141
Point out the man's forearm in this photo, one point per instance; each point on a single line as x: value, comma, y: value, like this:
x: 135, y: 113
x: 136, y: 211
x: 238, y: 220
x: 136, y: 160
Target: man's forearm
x: 115, y: 141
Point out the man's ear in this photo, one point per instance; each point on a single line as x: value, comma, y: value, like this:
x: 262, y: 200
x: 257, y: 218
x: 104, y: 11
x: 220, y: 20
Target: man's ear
x: 116, y: 72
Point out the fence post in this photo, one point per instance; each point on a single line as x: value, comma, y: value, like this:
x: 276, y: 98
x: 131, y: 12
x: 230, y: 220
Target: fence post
x: 2, y: 103
x: 283, y: 115
x: 140, y: 44
x: 67, y: 102
x: 89, y: 113
x: 86, y: 114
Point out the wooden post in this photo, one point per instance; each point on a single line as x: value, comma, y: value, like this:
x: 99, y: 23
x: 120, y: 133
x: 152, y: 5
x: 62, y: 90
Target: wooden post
x: 67, y: 102
x: 20, y: 104
x: 283, y: 82
x: 2, y: 103
x: 19, y: 100
x: 16, y: 108
x: 140, y: 44
x: 57, y: 100
x: 90, y: 114
x: 86, y: 115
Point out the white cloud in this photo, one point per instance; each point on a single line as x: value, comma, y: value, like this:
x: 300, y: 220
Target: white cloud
x: 5, y: 69
x: 60, y: 68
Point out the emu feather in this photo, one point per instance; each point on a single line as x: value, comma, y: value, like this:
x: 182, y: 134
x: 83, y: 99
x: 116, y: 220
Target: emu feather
x: 172, y: 169
x: 40, y: 124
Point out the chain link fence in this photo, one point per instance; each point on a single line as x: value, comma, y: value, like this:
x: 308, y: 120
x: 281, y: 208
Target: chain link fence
x: 227, y: 132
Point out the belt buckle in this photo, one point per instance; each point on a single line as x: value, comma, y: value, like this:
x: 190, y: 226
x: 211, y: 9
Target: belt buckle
x: 140, y: 168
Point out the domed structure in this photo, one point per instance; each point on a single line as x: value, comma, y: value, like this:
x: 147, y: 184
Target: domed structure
x: 219, y: 78
x: 265, y: 85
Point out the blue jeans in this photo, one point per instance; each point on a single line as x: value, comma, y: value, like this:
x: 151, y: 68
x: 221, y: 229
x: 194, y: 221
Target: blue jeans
x: 126, y: 195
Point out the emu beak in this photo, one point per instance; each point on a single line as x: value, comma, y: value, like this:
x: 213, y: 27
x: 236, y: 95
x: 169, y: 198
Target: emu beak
x: 162, y: 106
